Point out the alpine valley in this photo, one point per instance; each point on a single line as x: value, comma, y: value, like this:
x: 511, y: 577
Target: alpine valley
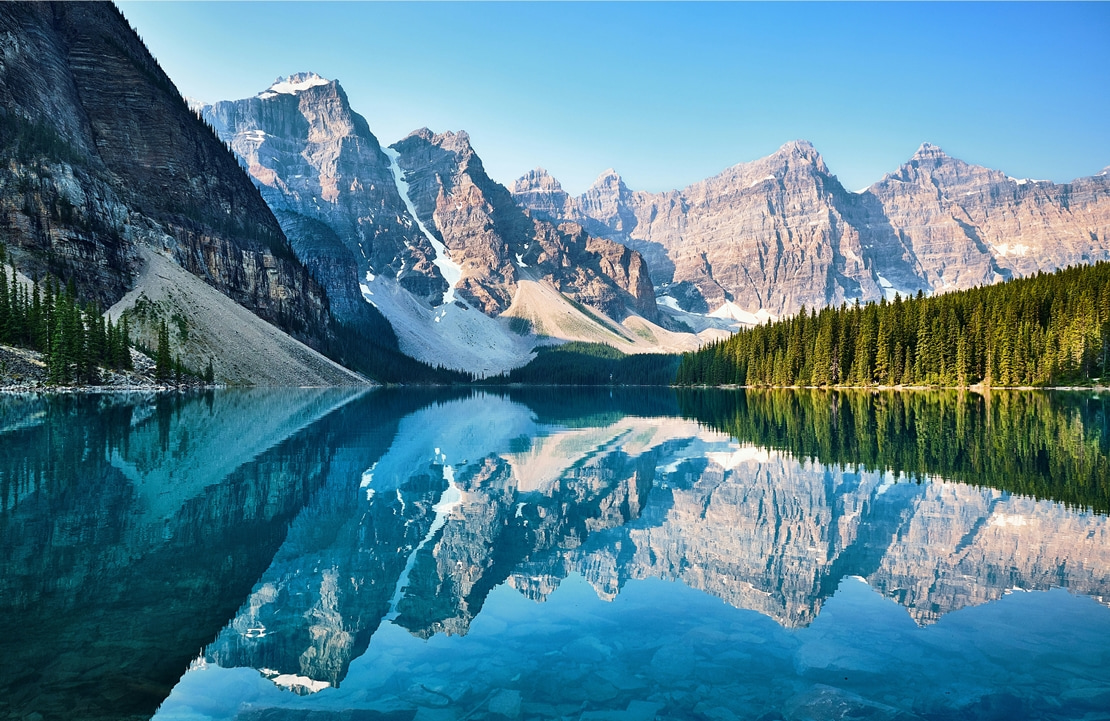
x: 311, y: 253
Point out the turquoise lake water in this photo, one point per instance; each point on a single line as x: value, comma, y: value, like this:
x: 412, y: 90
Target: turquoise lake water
x: 323, y: 554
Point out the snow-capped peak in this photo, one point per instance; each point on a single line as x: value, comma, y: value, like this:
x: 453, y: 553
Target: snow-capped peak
x: 293, y: 84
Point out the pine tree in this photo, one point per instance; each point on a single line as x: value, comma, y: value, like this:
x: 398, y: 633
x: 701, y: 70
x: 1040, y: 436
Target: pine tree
x: 163, y: 361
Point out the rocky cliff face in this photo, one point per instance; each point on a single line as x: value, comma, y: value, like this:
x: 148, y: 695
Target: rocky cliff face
x: 780, y: 232
x: 967, y: 225
x: 105, y: 155
x: 419, y: 225
x: 495, y: 243
x: 315, y: 159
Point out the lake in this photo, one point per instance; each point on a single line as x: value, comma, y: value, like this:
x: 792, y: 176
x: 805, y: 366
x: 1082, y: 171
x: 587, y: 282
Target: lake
x: 624, y: 554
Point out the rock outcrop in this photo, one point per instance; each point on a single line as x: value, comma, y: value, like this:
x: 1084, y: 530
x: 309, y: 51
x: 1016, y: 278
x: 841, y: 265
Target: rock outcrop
x: 781, y: 232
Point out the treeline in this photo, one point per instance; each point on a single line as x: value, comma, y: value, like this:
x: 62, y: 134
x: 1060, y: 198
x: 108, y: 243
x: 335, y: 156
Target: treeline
x: 1048, y: 329
x: 591, y: 364
x: 363, y: 352
x: 75, y: 338
x: 1046, y: 445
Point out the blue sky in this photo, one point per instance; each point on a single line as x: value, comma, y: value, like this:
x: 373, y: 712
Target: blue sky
x: 670, y: 93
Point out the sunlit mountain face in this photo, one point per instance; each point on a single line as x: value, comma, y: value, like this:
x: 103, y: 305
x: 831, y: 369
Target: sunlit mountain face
x: 571, y: 555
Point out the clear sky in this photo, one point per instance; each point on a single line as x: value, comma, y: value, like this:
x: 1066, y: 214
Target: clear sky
x: 670, y: 93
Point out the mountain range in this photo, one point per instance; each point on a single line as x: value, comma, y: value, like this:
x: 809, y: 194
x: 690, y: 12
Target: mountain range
x: 464, y: 275
x: 333, y: 244
x: 764, y: 238
x: 430, y: 235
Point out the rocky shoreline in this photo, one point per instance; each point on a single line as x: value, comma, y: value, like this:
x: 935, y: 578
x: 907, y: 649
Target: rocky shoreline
x: 24, y: 371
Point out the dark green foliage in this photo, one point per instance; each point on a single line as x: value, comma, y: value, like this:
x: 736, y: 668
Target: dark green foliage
x: 76, y: 339
x: 1048, y: 329
x: 375, y: 359
x: 164, y: 365
x: 592, y: 364
x: 1050, y: 445
x: 27, y: 141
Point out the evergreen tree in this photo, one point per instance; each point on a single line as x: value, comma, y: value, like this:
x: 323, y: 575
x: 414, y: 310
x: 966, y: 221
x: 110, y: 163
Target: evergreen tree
x: 163, y: 361
x: 1046, y: 329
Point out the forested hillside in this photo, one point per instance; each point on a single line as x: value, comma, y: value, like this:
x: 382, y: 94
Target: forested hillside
x: 76, y: 339
x: 1050, y: 329
x: 591, y: 364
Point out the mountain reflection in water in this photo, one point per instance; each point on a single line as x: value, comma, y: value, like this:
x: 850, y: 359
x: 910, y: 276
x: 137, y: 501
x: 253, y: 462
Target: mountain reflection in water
x: 492, y: 555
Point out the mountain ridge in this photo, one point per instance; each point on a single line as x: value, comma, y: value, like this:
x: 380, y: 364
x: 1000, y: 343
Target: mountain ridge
x: 430, y: 237
x: 780, y: 232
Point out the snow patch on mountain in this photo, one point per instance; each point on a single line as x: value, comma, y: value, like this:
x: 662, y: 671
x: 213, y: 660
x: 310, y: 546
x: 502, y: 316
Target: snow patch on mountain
x: 1011, y: 249
x: 450, y: 270
x: 294, y: 84
x: 729, y: 309
x: 463, y: 338
x: 887, y: 287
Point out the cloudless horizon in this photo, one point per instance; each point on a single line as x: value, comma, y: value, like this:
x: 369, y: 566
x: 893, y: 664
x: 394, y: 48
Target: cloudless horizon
x: 672, y: 93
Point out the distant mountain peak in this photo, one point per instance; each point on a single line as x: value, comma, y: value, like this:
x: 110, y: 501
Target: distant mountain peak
x: 536, y: 180
x: 608, y: 178
x: 450, y: 140
x: 800, y: 145
x: 294, y: 84
x: 928, y: 150
x: 796, y: 150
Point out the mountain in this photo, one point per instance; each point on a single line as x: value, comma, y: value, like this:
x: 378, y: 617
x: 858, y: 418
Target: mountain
x: 763, y: 238
x: 109, y: 168
x: 418, y: 229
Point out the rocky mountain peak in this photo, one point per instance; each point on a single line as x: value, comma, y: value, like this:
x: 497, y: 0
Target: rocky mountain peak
x: 608, y: 184
x: 608, y: 177
x: 800, y: 147
x: 800, y: 152
x: 538, y: 180
x: 928, y: 150
x: 541, y: 193
x: 294, y: 84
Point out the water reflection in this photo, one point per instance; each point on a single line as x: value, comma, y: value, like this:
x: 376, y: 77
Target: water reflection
x: 132, y: 527
x: 539, y: 555
x: 481, y: 494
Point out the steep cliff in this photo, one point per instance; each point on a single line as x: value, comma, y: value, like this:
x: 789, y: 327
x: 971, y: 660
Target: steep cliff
x: 105, y: 157
x: 315, y: 159
x: 485, y: 231
x: 429, y: 237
